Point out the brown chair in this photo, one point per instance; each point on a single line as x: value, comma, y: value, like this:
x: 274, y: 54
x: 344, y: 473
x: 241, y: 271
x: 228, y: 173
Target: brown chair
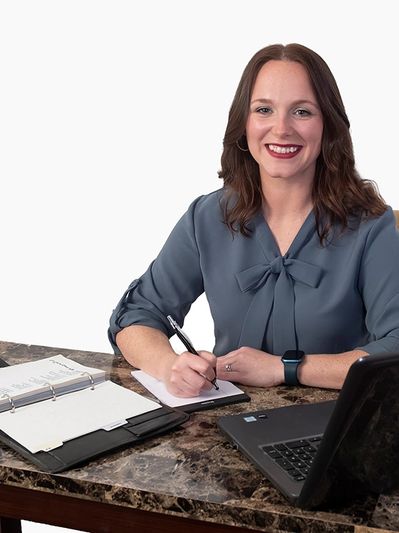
x: 397, y: 218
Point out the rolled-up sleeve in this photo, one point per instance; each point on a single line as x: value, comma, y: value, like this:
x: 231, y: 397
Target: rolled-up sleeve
x: 379, y: 285
x: 170, y: 285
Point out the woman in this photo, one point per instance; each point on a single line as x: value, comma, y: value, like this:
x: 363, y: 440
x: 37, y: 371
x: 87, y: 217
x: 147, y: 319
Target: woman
x: 297, y: 255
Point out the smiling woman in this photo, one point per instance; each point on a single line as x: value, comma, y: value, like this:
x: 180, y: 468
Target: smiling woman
x: 284, y: 132
x: 337, y: 190
x: 284, y: 124
x: 296, y: 253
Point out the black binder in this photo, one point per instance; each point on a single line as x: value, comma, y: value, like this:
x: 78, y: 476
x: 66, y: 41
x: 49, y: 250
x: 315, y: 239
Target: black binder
x: 82, y: 449
x: 87, y: 447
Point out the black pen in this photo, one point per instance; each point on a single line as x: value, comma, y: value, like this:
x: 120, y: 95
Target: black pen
x: 187, y: 343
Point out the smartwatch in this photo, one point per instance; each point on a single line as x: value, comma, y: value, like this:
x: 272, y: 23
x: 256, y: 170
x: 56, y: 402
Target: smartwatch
x: 291, y: 360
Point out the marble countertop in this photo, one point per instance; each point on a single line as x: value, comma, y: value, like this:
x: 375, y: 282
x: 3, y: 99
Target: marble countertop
x: 191, y: 472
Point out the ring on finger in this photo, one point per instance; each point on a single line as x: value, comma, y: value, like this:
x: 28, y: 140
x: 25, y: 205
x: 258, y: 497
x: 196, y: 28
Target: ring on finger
x: 228, y: 367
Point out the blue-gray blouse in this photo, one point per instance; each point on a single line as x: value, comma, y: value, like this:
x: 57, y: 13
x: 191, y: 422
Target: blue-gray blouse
x: 319, y: 299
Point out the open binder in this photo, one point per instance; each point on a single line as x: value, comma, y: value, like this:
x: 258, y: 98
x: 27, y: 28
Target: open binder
x: 92, y: 415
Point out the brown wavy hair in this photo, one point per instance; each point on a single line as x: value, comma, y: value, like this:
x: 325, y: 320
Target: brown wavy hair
x: 338, y: 190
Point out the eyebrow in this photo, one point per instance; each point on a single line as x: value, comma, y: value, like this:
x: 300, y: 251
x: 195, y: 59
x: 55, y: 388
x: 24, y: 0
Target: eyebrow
x: 296, y: 102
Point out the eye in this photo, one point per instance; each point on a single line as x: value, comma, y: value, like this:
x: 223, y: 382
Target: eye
x: 263, y: 110
x: 301, y: 112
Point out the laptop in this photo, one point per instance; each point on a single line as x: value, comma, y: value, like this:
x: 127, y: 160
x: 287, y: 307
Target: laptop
x: 327, y: 454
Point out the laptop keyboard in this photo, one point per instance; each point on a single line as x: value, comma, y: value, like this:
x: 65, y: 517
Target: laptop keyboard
x: 294, y: 457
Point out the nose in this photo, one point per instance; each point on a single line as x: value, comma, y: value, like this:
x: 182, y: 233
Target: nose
x: 282, y: 125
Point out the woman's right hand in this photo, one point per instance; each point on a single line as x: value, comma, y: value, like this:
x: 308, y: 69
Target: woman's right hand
x: 190, y: 374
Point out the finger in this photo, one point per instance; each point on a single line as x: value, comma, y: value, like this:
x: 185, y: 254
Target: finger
x: 177, y: 389
x: 189, y: 361
x: 226, y: 364
x: 210, y: 373
x: 181, y: 388
x: 228, y: 355
x: 192, y: 382
x: 227, y: 369
x: 208, y: 356
x: 187, y: 392
x: 203, y: 365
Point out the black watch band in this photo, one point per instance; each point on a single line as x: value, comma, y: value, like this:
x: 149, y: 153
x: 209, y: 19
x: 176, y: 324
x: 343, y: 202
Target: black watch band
x: 291, y: 360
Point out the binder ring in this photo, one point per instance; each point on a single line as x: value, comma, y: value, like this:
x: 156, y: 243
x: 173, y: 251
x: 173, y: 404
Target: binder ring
x: 91, y: 379
x: 52, y: 391
x: 5, y: 395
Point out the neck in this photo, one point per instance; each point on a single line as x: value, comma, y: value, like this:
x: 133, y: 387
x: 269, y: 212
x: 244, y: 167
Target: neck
x: 286, y: 200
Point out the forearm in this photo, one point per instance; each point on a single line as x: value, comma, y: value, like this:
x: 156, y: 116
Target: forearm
x: 327, y: 371
x: 148, y: 349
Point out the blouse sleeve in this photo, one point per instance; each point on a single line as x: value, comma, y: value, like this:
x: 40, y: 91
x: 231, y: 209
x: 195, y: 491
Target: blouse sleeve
x: 379, y: 284
x: 170, y: 285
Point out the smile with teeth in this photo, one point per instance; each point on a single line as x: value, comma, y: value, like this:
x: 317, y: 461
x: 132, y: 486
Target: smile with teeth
x: 283, y: 149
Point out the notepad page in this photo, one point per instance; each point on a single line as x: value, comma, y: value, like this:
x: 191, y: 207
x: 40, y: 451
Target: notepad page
x: 158, y: 389
x: 46, y: 425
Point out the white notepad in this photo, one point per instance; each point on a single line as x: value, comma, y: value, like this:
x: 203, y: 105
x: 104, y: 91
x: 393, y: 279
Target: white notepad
x: 206, y: 398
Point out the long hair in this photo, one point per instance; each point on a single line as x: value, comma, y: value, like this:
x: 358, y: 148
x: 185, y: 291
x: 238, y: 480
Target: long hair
x: 338, y: 191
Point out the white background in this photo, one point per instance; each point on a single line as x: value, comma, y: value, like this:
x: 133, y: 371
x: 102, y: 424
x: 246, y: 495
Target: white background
x: 112, y: 115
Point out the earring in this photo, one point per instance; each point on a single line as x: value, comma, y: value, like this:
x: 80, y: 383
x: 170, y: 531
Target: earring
x: 240, y: 148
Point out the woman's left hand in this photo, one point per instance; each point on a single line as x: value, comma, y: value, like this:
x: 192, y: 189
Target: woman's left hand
x: 250, y: 367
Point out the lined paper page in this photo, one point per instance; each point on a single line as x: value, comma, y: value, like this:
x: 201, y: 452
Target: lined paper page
x: 46, y: 425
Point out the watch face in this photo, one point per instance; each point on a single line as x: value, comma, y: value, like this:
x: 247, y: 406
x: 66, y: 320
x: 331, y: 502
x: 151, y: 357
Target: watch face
x: 293, y: 355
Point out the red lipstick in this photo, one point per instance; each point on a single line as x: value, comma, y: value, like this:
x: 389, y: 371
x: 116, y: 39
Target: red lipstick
x: 283, y: 151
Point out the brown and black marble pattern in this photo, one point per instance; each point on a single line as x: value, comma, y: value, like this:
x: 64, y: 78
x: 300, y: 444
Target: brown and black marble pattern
x: 191, y: 472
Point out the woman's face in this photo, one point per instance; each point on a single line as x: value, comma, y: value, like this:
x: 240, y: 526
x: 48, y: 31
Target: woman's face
x: 284, y: 126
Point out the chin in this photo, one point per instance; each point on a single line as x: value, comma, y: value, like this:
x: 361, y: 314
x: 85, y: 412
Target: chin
x: 279, y: 176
